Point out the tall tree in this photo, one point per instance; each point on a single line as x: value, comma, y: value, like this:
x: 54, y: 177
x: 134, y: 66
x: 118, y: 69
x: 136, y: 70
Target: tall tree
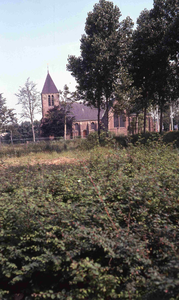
x: 7, y: 117
x: 126, y: 94
x: 166, y: 15
x: 141, y: 60
x: 65, y: 103
x: 102, y: 53
x: 29, y: 99
x: 169, y: 11
x: 152, y: 53
x: 53, y: 123
x: 3, y: 110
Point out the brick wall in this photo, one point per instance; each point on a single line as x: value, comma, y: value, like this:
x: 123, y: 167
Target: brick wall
x: 45, y: 102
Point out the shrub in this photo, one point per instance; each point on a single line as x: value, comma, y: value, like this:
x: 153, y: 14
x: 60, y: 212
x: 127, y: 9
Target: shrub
x: 172, y: 137
x: 167, y: 137
x: 93, y: 140
x: 106, y: 228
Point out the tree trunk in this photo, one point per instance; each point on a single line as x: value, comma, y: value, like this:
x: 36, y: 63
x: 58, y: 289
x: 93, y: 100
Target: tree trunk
x: 99, y: 130
x: 161, y: 118
x: 107, y: 114
x: 11, y: 137
x: 33, y: 132
x: 171, y: 116
x: 145, y: 114
x: 157, y: 113
x: 137, y: 124
x: 65, y: 129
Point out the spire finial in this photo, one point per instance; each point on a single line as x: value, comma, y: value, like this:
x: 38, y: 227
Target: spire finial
x: 47, y: 69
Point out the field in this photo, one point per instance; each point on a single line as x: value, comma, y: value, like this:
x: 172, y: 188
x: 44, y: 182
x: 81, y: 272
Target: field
x: 83, y: 222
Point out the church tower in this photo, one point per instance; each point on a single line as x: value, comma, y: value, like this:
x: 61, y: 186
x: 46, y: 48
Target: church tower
x: 49, y: 95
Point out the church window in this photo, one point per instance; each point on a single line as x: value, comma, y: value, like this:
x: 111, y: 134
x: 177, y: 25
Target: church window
x: 84, y: 133
x: 49, y: 103
x: 52, y: 100
x: 76, y: 126
x: 116, y: 120
x: 93, y: 125
x: 122, y: 121
x: 149, y: 125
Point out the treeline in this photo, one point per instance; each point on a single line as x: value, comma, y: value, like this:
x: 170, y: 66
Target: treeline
x: 136, y: 67
x: 29, y: 99
x: 21, y: 132
x: 10, y: 129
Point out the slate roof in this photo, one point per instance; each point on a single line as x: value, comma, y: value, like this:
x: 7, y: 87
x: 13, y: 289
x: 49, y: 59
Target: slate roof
x: 82, y: 112
x: 49, y: 86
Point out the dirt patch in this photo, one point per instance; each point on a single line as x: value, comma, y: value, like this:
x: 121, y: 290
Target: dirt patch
x: 62, y: 160
x: 37, y: 161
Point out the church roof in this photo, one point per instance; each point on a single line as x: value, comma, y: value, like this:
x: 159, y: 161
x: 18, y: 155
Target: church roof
x: 82, y: 112
x: 49, y: 86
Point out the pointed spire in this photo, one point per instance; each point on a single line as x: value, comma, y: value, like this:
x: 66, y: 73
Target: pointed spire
x: 49, y: 86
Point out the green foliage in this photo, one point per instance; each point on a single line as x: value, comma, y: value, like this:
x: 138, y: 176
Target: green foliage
x: 154, y: 56
x: 171, y: 137
x: 103, y: 50
x: 53, y: 124
x: 103, y: 228
x: 7, y: 116
x: 93, y: 140
x: 126, y: 95
x: 24, y: 131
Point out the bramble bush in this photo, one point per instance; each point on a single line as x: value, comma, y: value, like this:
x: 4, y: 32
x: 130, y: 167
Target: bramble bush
x: 167, y: 137
x: 103, y: 228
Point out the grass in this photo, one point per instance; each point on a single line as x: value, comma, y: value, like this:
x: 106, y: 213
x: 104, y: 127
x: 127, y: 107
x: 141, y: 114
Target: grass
x: 48, y: 153
x: 38, y: 158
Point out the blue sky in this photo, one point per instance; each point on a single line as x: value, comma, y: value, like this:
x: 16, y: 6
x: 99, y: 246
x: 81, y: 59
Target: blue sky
x: 37, y: 33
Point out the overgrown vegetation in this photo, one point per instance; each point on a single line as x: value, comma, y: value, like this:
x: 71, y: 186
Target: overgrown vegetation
x: 101, y: 228
x: 18, y: 150
x: 59, y: 146
x: 89, y: 143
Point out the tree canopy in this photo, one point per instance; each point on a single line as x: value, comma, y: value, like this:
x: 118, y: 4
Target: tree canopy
x: 54, y: 123
x: 152, y: 54
x: 7, y: 116
x: 103, y: 50
x: 29, y: 99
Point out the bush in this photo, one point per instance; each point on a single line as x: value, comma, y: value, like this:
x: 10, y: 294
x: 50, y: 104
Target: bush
x: 106, y: 228
x: 93, y: 140
x: 123, y: 140
x: 172, y: 137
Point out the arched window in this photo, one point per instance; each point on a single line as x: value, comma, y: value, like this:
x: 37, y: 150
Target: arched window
x: 76, y: 126
x: 122, y: 121
x: 52, y: 100
x: 116, y: 120
x: 49, y: 103
x: 93, y: 125
x: 84, y: 133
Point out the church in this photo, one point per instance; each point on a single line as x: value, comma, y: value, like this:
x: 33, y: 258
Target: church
x: 85, y: 120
